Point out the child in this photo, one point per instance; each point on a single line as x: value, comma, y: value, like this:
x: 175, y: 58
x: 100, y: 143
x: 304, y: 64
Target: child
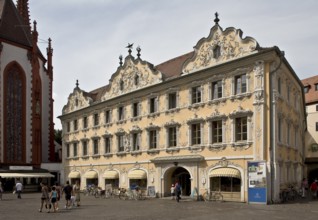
x: 172, y: 192
x: 53, y: 198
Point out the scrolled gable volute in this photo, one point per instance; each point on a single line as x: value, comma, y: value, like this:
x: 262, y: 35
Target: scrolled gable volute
x: 78, y: 99
x: 219, y: 47
x: 133, y: 75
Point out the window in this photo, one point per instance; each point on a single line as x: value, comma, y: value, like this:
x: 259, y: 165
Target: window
x: 196, y: 94
x: 316, y: 108
x: 85, y: 152
x: 95, y: 147
x: 279, y: 129
x: 172, y: 100
x: 216, y: 52
x: 316, y: 126
x: 96, y: 119
x: 279, y: 86
x: 306, y: 89
x: 172, y: 136
x: 120, y: 113
x: 196, y: 134
x: 288, y: 134
x: 152, y: 139
x: 288, y: 93
x: 75, y: 125
x: 241, y: 129
x: 85, y: 124
x: 68, y: 126
x: 153, y: 105
x: 67, y: 150
x: 75, y: 149
x: 240, y: 84
x: 135, y: 141
x: 217, y: 90
x: 107, y: 116
x: 120, y: 139
x: 121, y: 85
x: 217, y: 132
x: 136, y: 80
x: 107, y: 144
x: 316, y: 87
x: 135, y: 109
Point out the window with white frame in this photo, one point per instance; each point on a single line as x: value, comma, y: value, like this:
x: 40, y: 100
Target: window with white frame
x: 217, y: 131
x: 121, y: 114
x: 240, y: 84
x: 75, y: 149
x: 135, y: 109
x: 240, y: 129
x: 217, y: 90
x: 153, y: 139
x: 172, y: 100
x: 68, y: 150
x: 85, y: 147
x: 195, y: 133
x: 121, y: 142
x: 196, y: 94
x: 172, y: 136
x: 96, y: 119
x: 108, y: 116
x: 153, y: 105
x: 68, y: 126
x: 95, y: 146
x: 107, y: 142
x: 85, y: 122
x: 75, y: 125
x: 135, y: 141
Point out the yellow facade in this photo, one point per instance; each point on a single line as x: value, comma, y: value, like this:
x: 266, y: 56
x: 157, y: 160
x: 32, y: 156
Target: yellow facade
x: 231, y: 103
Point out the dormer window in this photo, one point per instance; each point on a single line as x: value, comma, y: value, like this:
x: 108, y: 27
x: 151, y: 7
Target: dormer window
x: 136, y: 80
x: 306, y: 89
x: 121, y: 85
x: 216, y: 52
x: 316, y: 87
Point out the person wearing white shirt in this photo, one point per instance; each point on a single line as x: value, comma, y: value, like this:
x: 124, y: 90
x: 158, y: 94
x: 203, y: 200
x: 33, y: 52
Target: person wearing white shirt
x: 18, y: 188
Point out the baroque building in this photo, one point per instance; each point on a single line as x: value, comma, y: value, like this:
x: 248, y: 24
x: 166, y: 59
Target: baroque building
x: 198, y: 119
x: 26, y: 107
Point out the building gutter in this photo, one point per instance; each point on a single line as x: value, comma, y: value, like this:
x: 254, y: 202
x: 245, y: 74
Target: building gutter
x: 272, y: 125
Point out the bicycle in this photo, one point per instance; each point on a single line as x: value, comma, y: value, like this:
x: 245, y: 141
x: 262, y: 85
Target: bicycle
x: 212, y: 196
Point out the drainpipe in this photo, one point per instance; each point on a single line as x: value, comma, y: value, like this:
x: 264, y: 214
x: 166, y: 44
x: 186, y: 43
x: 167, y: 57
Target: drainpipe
x: 272, y: 126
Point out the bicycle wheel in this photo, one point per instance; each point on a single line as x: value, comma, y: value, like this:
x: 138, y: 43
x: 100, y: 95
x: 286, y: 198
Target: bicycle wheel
x: 206, y: 196
x: 218, y: 197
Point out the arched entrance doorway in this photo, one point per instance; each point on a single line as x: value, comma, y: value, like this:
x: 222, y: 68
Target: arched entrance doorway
x: 182, y: 176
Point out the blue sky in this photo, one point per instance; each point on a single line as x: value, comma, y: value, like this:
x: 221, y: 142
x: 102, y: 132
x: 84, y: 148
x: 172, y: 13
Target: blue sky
x: 89, y: 35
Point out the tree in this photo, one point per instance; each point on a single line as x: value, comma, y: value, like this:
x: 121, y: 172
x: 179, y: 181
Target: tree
x: 58, y: 136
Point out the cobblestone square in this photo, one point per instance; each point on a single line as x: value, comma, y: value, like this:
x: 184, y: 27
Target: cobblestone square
x: 97, y: 208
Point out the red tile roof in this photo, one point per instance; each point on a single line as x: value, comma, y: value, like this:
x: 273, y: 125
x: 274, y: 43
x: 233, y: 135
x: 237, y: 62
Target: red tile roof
x: 312, y: 95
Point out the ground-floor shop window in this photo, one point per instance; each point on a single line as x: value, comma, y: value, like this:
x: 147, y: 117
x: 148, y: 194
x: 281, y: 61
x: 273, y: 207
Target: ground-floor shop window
x: 92, y: 182
x: 225, y: 184
x: 141, y: 183
x: 113, y: 182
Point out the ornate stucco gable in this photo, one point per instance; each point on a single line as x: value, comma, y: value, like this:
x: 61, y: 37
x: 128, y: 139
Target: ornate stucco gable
x: 133, y: 75
x: 76, y: 100
x: 219, y: 47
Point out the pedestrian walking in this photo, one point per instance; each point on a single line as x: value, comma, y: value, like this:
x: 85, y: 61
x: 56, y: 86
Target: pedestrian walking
x: 178, y: 191
x: 304, y: 187
x: 59, y: 192
x: 68, y: 189
x: 313, y: 188
x: 77, y: 193
x: 18, y: 188
x: 53, y: 198
x: 172, y: 191
x: 44, y: 198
